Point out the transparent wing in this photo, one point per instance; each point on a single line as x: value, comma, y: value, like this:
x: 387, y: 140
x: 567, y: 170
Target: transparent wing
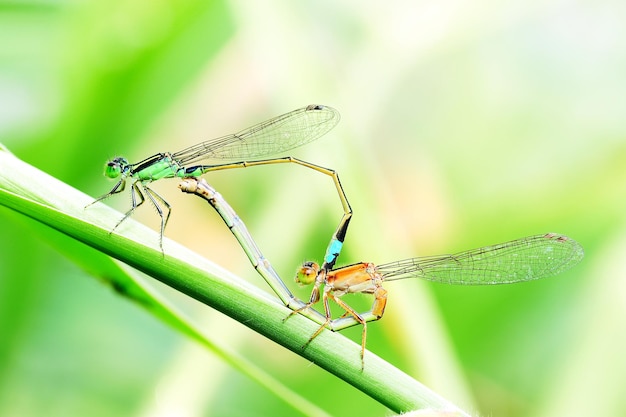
x: 273, y: 136
x: 524, y: 259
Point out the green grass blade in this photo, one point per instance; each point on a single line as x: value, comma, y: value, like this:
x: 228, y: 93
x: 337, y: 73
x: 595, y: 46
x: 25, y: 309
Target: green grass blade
x: 51, y: 202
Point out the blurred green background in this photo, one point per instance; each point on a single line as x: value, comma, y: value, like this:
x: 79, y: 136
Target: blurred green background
x: 463, y: 124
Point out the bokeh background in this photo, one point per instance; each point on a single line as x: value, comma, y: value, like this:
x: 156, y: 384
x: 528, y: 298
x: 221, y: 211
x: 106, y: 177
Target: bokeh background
x: 464, y: 123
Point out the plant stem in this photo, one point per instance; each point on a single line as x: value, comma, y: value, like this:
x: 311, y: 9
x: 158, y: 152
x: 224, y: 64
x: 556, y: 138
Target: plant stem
x: 35, y: 194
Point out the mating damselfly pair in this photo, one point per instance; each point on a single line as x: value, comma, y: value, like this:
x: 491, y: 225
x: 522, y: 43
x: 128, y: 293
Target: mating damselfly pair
x: 519, y: 260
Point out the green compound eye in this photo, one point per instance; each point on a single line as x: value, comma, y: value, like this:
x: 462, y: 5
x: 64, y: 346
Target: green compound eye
x: 114, y: 168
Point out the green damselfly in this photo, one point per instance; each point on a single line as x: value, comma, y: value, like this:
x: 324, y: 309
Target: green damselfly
x: 274, y: 136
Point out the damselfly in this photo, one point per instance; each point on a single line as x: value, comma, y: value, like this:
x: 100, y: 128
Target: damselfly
x: 277, y: 135
x: 524, y: 259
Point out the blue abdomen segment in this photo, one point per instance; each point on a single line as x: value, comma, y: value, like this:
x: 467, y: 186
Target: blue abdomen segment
x: 334, y: 248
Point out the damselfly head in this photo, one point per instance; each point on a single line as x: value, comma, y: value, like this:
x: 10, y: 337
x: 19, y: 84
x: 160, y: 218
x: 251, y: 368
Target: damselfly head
x: 115, y: 167
x: 307, y: 273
